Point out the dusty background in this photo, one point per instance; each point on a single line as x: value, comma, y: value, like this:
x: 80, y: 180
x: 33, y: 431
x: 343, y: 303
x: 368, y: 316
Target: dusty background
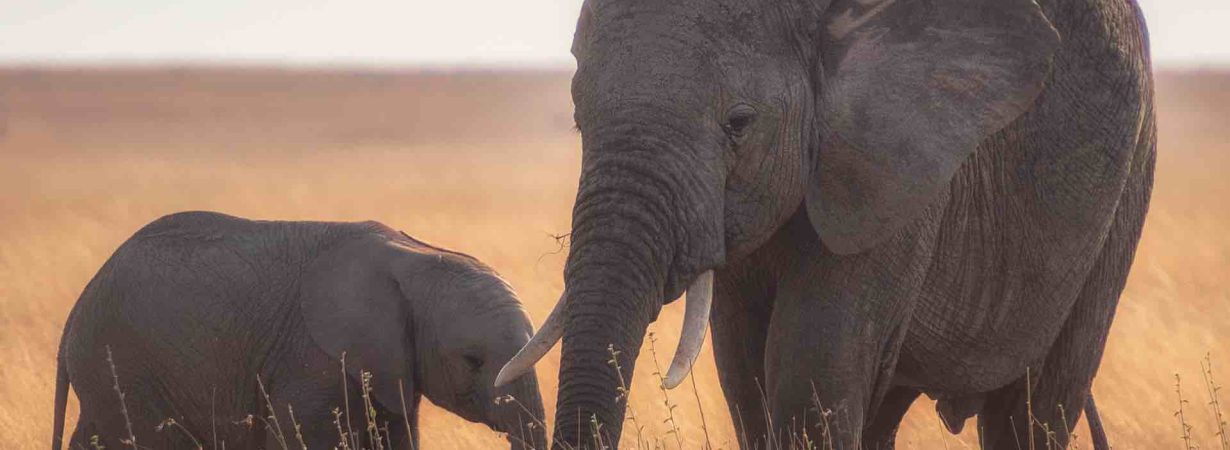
x: 486, y: 163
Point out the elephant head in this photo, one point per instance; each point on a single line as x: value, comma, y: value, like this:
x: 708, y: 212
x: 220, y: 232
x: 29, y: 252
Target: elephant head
x: 706, y: 124
x: 435, y: 323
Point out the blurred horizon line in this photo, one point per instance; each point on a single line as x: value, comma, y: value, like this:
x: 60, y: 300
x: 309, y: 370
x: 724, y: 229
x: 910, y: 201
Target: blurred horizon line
x: 297, y: 66
x: 328, y: 66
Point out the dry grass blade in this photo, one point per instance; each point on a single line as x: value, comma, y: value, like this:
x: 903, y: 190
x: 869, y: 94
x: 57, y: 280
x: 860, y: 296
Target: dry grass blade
x: 700, y: 409
x: 1067, y: 431
x: 369, y: 412
x: 131, y: 440
x: 1029, y: 406
x: 350, y: 436
x: 343, y: 441
x: 298, y: 429
x: 535, y: 421
x: 1214, y: 401
x: 405, y: 415
x: 171, y: 422
x: 213, y: 416
x: 622, y: 396
x: 823, y: 414
x: 273, y: 416
x: 1187, y: 429
x: 666, y: 398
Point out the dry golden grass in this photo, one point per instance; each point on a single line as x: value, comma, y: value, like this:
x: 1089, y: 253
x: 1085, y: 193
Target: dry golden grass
x: 485, y: 164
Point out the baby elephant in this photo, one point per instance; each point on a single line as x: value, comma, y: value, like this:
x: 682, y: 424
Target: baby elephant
x: 223, y: 332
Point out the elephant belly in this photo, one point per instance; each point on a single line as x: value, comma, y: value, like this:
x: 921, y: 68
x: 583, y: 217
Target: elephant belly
x: 1007, y: 271
x: 1026, y: 219
x: 180, y: 348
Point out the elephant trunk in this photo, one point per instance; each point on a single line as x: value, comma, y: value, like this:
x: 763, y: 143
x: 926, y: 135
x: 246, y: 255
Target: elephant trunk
x: 516, y: 410
x: 639, y: 235
x: 613, y: 295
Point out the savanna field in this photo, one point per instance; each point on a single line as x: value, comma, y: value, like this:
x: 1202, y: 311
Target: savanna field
x: 487, y: 164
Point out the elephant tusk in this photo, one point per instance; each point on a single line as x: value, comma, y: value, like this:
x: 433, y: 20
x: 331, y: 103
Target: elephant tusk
x: 695, y: 319
x: 538, y: 346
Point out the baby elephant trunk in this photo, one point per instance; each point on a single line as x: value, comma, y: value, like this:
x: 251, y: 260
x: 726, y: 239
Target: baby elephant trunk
x: 517, y: 412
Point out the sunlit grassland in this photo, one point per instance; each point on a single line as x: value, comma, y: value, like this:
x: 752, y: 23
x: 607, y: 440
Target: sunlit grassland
x: 81, y: 169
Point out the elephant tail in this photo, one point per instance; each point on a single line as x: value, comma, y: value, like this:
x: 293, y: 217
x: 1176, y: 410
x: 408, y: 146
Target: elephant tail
x: 57, y: 427
x: 1096, y: 432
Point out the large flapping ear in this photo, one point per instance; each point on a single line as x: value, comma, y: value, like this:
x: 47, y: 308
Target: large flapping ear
x: 353, y: 304
x: 909, y: 89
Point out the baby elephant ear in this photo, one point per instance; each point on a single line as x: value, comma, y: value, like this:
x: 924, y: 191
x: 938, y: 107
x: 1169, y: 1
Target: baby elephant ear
x: 909, y: 90
x: 353, y: 304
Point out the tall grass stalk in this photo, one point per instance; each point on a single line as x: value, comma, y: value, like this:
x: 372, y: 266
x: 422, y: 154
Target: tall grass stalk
x: 704, y: 425
x: 273, y: 416
x: 343, y: 441
x: 623, y: 396
x: 405, y: 415
x: 131, y: 440
x: 350, y: 436
x: 666, y: 398
x: 298, y: 429
x: 369, y: 412
x: 1029, y: 407
x: 170, y: 422
x: 1187, y: 429
x: 1210, y: 384
x: 823, y: 414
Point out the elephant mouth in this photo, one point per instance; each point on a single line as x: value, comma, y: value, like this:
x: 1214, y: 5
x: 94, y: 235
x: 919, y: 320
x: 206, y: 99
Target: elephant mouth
x: 698, y: 304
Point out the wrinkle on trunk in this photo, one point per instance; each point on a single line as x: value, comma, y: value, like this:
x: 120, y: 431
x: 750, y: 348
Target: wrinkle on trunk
x: 623, y: 246
x: 613, y: 297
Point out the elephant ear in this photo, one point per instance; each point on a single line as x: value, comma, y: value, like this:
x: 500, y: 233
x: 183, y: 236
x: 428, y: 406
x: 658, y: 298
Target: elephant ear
x: 908, y: 91
x: 352, y: 304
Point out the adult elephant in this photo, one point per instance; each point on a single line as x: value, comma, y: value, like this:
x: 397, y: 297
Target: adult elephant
x: 887, y: 198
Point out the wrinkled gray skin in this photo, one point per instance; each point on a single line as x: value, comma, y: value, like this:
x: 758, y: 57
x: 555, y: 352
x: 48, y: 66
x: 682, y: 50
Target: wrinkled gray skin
x: 898, y: 197
x: 197, y: 305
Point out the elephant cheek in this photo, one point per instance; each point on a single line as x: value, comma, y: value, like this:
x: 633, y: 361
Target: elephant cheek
x: 760, y: 197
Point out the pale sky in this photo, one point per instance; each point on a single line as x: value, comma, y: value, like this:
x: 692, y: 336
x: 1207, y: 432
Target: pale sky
x: 434, y: 33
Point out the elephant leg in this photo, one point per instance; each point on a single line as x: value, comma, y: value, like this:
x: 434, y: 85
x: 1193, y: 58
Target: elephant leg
x: 739, y: 322
x: 881, y: 431
x: 312, y: 401
x: 817, y: 376
x: 1058, y: 390
x: 310, y: 383
x: 828, y: 371
x: 837, y: 325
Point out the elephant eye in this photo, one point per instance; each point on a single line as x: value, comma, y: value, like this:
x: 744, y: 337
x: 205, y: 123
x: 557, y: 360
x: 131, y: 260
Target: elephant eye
x: 473, y: 362
x: 739, y: 119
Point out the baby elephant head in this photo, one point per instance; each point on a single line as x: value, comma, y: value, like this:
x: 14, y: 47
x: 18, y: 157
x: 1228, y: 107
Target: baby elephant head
x: 476, y: 328
x: 427, y: 321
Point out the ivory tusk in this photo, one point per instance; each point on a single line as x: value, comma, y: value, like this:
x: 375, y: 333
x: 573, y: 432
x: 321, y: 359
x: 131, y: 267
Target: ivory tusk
x: 699, y: 299
x: 538, y: 346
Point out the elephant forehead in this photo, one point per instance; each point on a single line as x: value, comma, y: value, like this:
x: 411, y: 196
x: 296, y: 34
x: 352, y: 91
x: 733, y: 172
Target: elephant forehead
x: 711, y: 20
